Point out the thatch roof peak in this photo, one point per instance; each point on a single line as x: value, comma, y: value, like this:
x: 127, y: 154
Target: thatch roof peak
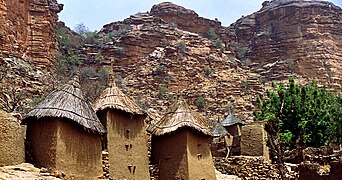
x: 68, y: 102
x: 113, y: 98
x: 231, y: 120
x: 180, y: 115
x: 218, y: 130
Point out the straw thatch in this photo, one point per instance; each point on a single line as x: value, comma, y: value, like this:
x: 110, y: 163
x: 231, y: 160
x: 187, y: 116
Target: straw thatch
x: 231, y: 120
x: 179, y: 115
x: 113, y: 98
x: 68, y: 102
x: 218, y: 130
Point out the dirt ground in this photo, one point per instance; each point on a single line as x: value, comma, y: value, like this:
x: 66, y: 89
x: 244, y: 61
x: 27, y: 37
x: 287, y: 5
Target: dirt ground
x: 24, y: 171
x: 28, y: 171
x: 220, y: 176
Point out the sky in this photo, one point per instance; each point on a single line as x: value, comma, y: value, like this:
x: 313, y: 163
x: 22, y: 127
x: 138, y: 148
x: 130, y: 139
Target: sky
x: 96, y: 13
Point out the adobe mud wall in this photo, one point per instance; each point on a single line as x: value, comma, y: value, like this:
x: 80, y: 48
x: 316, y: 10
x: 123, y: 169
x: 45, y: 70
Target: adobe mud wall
x: 41, y: 142
x: 170, y: 153
x: 200, y: 161
x: 11, y: 140
x: 78, y: 153
x: 127, y: 146
x: 253, y: 140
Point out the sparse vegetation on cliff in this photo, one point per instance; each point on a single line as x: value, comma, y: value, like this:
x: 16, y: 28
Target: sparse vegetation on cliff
x: 181, y: 47
x: 211, y: 34
x: 200, y: 102
x: 162, y: 90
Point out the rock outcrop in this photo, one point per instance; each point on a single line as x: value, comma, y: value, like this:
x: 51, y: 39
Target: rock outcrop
x: 27, y: 30
x: 183, y: 18
x: 161, y: 61
x: 258, y: 48
x: 293, y: 37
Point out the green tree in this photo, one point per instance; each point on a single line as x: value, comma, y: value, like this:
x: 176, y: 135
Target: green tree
x: 298, y: 116
x: 87, y: 36
x: 307, y: 111
x: 81, y: 29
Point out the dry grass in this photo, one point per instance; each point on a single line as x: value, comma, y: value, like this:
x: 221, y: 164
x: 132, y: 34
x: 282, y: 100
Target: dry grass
x: 219, y: 130
x: 113, y: 98
x: 180, y: 115
x: 68, y: 102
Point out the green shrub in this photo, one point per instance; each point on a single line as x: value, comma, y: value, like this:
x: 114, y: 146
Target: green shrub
x: 160, y: 70
x: 210, y: 34
x: 218, y: 43
x: 207, y: 71
x: 91, y: 38
x: 87, y: 72
x: 120, y: 50
x: 162, y: 91
x: 214, y: 38
x: 99, y: 57
x: 200, y: 102
x: 241, y: 51
x: 65, y: 65
x: 181, y: 47
x: 104, y: 75
x: 35, y: 101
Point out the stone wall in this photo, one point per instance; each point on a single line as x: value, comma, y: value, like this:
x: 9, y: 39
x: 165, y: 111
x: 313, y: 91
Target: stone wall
x: 321, y: 163
x: 252, y: 167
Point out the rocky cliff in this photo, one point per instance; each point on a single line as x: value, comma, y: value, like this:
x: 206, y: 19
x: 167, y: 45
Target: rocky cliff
x: 27, y: 49
x: 168, y: 51
x: 157, y: 59
x: 172, y: 51
x: 293, y: 37
x: 27, y: 30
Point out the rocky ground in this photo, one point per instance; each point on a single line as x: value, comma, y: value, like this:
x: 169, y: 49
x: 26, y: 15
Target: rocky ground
x: 220, y: 176
x: 26, y: 171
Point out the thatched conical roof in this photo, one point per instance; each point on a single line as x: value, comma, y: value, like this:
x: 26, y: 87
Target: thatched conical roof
x: 231, y: 120
x: 68, y: 102
x: 179, y: 115
x: 218, y: 130
x: 113, y: 98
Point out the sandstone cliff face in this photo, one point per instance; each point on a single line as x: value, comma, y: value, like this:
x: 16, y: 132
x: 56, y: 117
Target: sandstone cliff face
x: 165, y: 52
x: 161, y: 61
x: 294, y: 37
x: 183, y: 18
x: 27, y: 30
x: 285, y: 38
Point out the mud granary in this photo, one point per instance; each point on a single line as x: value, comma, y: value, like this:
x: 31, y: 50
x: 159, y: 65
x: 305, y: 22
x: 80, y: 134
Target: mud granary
x: 126, y: 139
x: 64, y: 133
x: 180, y: 144
x: 233, y: 126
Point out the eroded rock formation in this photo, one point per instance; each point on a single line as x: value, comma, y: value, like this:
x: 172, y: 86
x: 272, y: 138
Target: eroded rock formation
x: 293, y: 37
x: 27, y: 30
